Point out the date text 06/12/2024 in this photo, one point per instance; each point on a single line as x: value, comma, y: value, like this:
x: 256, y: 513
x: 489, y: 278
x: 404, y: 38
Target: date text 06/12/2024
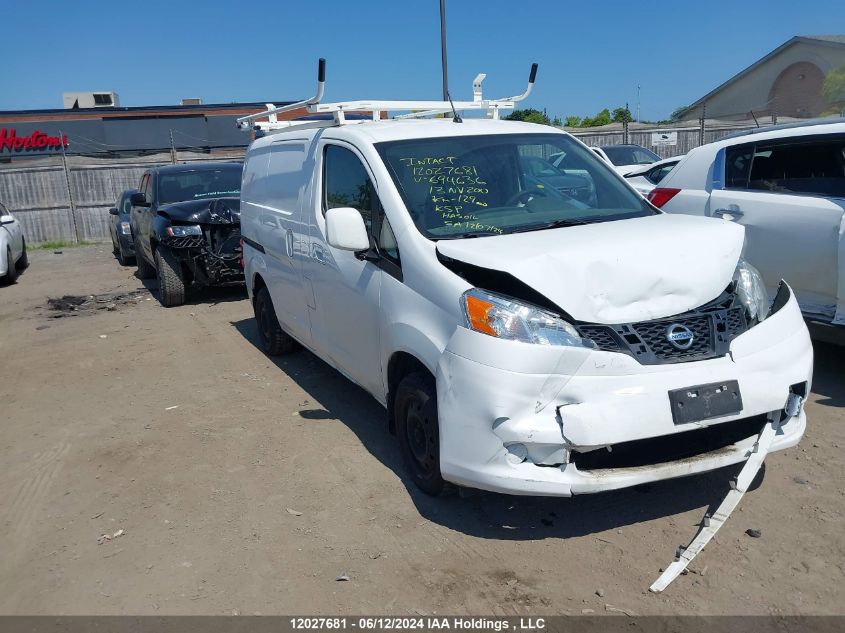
x: 419, y: 623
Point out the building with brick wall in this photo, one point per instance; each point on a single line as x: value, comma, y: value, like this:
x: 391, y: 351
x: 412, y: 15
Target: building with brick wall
x: 785, y: 83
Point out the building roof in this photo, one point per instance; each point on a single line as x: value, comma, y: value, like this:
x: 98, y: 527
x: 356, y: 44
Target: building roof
x: 136, y: 111
x: 834, y: 40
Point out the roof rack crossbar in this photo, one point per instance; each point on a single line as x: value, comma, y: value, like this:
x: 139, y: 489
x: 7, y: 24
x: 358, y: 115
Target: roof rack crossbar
x: 243, y: 122
x: 415, y: 109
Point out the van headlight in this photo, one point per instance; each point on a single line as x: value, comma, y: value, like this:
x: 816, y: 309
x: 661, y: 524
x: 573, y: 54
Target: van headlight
x: 508, y: 318
x: 751, y: 290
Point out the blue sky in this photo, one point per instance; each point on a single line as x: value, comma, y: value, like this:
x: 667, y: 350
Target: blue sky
x: 591, y: 55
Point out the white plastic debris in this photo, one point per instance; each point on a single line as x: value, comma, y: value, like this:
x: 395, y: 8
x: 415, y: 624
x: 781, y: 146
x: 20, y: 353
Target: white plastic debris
x: 731, y: 501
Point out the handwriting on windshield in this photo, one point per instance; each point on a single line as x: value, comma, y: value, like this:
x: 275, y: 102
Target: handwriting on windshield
x: 456, y: 190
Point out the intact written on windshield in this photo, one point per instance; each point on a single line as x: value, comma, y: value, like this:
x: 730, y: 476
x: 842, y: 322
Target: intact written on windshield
x: 472, y: 186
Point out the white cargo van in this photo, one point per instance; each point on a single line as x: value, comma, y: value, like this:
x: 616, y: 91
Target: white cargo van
x: 528, y: 332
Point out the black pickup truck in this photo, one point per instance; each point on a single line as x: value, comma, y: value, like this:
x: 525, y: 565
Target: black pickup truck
x: 185, y: 222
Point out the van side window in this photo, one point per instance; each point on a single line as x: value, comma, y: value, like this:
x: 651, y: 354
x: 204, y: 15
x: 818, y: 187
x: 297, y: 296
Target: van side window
x: 816, y: 167
x: 346, y: 184
x: 386, y: 241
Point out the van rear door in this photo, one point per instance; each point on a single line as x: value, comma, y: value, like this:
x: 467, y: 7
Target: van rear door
x: 275, y: 217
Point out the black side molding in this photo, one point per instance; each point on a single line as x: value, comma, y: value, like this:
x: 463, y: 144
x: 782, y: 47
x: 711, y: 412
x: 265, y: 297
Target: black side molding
x: 253, y: 244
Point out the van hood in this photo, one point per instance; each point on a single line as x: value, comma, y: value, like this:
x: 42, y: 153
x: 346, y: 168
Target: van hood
x: 206, y: 211
x: 621, y: 271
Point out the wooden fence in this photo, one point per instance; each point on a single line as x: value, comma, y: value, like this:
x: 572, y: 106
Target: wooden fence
x: 69, y: 200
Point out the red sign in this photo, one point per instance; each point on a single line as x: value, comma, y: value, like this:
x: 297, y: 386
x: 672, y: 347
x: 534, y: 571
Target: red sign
x: 34, y: 142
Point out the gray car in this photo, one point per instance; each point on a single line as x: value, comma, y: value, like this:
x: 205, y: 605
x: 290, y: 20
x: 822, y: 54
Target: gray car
x: 121, y: 235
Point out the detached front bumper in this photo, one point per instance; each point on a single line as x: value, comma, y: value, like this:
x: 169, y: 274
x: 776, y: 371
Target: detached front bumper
x: 520, y: 418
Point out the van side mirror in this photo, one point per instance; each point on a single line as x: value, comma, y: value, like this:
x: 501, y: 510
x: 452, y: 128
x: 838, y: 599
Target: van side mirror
x: 6, y: 219
x: 113, y: 211
x: 139, y: 200
x: 345, y: 229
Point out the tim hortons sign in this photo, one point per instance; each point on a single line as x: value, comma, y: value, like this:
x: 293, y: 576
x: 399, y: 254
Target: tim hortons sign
x: 37, y: 141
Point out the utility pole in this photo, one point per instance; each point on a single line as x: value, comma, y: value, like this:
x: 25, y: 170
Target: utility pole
x: 638, y: 103
x: 443, y: 49
x: 69, y: 189
x: 172, y: 148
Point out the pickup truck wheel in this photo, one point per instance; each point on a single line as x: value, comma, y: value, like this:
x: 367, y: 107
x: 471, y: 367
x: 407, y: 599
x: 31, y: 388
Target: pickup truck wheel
x: 415, y: 410
x: 145, y: 271
x: 11, y: 270
x: 171, y: 286
x: 274, y: 340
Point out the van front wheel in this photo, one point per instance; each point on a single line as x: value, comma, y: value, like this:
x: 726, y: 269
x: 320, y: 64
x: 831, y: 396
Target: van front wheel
x: 418, y: 430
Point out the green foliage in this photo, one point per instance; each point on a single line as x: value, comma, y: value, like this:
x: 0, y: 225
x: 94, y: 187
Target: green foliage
x: 530, y: 115
x: 676, y: 113
x: 59, y: 244
x: 620, y: 115
x: 833, y: 88
x: 572, y: 121
x: 602, y: 118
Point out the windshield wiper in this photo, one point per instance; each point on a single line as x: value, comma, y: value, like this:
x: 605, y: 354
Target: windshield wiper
x: 467, y: 235
x: 553, y: 225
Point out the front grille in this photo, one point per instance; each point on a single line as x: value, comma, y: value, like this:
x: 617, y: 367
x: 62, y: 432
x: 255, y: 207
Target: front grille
x: 670, y: 448
x: 189, y: 241
x: 736, y: 322
x: 601, y: 335
x: 653, y: 334
x: 713, y: 327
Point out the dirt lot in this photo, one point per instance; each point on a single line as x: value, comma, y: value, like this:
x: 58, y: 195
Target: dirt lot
x: 247, y: 486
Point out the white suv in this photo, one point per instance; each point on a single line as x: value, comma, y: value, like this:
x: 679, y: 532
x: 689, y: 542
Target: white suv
x: 786, y: 186
x: 526, y: 334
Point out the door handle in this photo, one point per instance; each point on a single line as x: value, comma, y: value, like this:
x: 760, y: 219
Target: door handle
x: 731, y: 212
x: 289, y: 242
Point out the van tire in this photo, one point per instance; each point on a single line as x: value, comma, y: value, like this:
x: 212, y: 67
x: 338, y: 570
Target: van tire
x: 418, y: 429
x: 171, y: 286
x: 145, y: 271
x: 274, y: 340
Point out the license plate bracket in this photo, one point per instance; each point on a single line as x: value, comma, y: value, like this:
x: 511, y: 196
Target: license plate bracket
x: 703, y: 402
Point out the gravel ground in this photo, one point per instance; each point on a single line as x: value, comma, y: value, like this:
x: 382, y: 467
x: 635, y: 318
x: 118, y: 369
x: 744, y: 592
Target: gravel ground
x: 247, y: 485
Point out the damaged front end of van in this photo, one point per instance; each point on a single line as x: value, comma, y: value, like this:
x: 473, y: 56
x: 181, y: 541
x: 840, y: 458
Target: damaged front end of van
x: 559, y: 391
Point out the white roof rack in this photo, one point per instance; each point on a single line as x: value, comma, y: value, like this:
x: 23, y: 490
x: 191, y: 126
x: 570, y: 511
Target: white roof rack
x: 413, y: 109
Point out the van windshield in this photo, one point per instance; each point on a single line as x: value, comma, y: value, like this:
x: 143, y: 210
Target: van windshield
x: 472, y: 186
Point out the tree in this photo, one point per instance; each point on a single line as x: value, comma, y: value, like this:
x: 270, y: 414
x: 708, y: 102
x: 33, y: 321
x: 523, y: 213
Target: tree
x: 529, y: 115
x: 602, y: 118
x: 677, y: 112
x: 620, y: 115
x: 572, y: 121
x: 833, y: 88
